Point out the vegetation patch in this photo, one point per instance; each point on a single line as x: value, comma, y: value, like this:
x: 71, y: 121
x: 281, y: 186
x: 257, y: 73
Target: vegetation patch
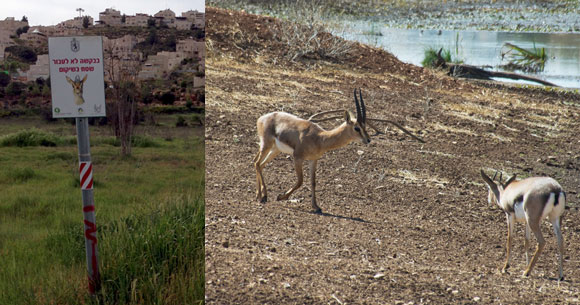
x: 34, y: 137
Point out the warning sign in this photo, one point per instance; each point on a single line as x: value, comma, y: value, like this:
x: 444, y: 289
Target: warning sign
x: 77, y: 76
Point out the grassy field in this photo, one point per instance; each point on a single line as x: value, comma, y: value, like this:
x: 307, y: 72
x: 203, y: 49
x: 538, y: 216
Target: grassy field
x: 149, y: 213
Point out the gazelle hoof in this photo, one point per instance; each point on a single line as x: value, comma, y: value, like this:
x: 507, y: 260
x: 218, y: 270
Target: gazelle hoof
x: 505, y: 269
x: 264, y: 199
x: 561, y: 279
x: 317, y: 211
x: 281, y: 197
x: 526, y: 274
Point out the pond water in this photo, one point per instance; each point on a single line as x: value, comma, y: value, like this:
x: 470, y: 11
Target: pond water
x: 478, y: 48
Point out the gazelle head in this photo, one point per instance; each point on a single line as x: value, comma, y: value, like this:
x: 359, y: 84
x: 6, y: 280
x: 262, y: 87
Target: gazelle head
x: 77, y: 86
x: 358, y: 127
x: 495, y: 190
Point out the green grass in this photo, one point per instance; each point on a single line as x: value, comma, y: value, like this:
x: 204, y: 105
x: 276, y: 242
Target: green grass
x: 149, y: 214
x: 525, y: 60
x: 430, y: 58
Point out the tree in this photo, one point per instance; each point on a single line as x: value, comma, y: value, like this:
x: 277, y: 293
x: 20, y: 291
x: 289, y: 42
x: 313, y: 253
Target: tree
x: 21, y: 30
x: 122, y: 112
x: 123, y: 18
x: 4, y: 79
x: 151, y: 23
x: 24, y: 19
x: 86, y: 22
x: 167, y: 98
x: 171, y: 42
x: 23, y: 53
x: 152, y: 38
x: 14, y: 89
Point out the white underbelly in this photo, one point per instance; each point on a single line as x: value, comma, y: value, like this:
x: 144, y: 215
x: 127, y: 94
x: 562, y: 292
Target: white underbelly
x: 519, y: 211
x: 284, y: 148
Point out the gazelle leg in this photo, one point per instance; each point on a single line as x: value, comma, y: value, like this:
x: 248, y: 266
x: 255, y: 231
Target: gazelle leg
x: 298, y: 164
x: 535, y: 227
x: 264, y: 153
x: 258, y: 176
x: 313, y: 185
x: 271, y: 155
x: 556, y: 224
x: 527, y: 243
x: 510, y: 233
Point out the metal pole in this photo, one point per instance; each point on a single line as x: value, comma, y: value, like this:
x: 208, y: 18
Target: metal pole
x: 86, y: 178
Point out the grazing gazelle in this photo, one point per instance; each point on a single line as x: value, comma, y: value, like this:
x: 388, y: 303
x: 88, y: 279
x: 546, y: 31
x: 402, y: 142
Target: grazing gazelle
x: 530, y: 200
x: 304, y: 140
x: 77, y: 86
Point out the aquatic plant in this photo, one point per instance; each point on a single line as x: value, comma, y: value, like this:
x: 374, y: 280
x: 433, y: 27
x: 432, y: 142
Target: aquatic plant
x: 432, y: 57
x: 522, y: 59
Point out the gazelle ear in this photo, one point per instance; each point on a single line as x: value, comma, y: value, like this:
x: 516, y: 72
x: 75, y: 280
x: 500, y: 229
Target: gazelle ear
x: 347, y: 117
x: 492, y: 186
x: 510, y: 180
x: 85, y: 78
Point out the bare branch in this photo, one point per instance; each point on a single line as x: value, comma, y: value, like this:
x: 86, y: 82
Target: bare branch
x: 400, y: 127
x: 323, y: 113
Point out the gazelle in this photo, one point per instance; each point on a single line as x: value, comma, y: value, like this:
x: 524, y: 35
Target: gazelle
x: 530, y: 200
x: 304, y: 140
x: 77, y: 86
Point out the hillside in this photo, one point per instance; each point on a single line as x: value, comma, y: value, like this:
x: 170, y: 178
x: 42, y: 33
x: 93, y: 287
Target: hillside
x: 403, y: 222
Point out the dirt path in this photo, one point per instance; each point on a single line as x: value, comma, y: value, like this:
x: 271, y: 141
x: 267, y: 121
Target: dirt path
x: 403, y: 222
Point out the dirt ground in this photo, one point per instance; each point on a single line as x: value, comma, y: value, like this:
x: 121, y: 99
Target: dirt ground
x: 403, y: 222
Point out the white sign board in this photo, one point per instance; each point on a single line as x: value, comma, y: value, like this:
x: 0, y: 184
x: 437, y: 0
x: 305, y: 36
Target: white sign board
x: 77, y: 76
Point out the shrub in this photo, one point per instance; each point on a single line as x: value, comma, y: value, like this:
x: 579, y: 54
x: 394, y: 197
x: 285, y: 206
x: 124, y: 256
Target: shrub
x: 167, y: 98
x: 180, y: 122
x: 432, y: 59
x: 4, y: 79
x: 30, y: 137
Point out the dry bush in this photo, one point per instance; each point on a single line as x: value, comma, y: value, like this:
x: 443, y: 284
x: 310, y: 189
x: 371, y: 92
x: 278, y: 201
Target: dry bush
x: 305, y: 32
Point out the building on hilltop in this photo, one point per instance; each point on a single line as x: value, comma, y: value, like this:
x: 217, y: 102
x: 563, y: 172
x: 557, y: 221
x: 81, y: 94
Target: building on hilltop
x: 76, y: 22
x: 182, y: 23
x: 137, y: 20
x: 165, y: 17
x: 11, y: 25
x: 5, y: 41
x: 110, y: 17
x: 197, y: 18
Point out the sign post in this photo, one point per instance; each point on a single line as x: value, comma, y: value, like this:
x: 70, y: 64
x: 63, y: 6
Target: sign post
x: 78, y: 91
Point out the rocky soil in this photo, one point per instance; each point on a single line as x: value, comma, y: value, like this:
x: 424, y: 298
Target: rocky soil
x: 403, y: 222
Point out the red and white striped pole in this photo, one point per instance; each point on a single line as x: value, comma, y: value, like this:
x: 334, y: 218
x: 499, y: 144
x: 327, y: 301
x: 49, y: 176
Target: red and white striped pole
x: 86, y: 178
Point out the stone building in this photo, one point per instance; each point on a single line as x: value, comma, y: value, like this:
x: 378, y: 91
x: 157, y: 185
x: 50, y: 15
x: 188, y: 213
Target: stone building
x: 160, y: 65
x: 76, y: 22
x: 198, y: 18
x: 182, y: 23
x: 137, y: 20
x: 5, y: 41
x: 34, y: 37
x: 110, y: 17
x: 166, y: 17
x: 191, y: 48
x: 11, y: 25
x: 39, y: 69
x: 126, y: 58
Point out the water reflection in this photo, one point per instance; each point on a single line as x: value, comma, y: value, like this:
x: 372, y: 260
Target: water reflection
x: 480, y: 48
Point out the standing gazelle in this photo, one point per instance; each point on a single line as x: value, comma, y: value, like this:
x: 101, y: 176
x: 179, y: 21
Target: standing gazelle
x: 530, y: 200
x: 304, y: 140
